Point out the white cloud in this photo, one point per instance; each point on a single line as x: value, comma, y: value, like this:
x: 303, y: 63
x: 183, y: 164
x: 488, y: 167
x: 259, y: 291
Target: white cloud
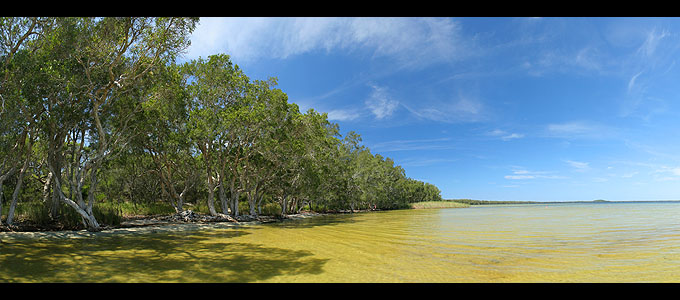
x: 496, y: 132
x: 631, y: 82
x: 519, y: 174
x: 665, y: 173
x: 421, y: 162
x: 673, y: 171
x: 505, y: 135
x: 582, y: 61
x: 629, y: 175
x: 569, y: 128
x: 512, y: 136
x: 579, y: 129
x: 412, y: 42
x: 416, y: 144
x: 520, y: 177
x: 580, y: 166
x: 458, y: 110
x: 380, y: 103
x: 342, y: 115
x: 652, y: 41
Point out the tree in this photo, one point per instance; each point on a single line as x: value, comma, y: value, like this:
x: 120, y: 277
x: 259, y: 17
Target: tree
x: 101, y: 71
x: 163, y: 120
x: 216, y: 90
x: 18, y: 113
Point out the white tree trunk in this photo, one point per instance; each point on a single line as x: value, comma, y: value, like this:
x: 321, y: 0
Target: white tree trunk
x: 82, y: 210
x: 2, y: 179
x: 15, y: 195
x: 222, y: 195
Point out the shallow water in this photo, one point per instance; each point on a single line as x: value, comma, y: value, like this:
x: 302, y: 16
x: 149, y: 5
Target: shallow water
x: 583, y: 242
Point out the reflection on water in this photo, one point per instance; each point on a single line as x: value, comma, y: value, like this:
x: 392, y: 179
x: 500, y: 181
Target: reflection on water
x: 588, y: 242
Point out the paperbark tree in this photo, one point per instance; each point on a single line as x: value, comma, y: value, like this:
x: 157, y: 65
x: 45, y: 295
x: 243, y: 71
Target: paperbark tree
x: 217, y: 88
x: 102, y: 69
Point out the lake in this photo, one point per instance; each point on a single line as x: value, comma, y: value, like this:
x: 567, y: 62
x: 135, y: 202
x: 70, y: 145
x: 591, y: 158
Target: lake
x: 557, y: 242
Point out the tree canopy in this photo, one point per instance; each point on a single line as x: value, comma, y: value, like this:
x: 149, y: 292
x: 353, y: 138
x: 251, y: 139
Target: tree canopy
x: 96, y: 110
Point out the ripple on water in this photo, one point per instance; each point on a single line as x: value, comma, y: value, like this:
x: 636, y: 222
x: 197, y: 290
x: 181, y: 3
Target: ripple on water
x: 522, y: 243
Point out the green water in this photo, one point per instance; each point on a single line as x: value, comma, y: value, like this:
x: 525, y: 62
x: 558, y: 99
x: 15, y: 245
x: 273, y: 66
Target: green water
x: 588, y: 242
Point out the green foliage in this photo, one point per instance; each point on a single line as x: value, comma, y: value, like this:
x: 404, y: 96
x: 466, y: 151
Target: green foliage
x: 38, y: 213
x: 128, y: 131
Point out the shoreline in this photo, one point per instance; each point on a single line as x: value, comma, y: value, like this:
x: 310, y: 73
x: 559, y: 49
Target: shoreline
x: 185, y: 220
x: 153, y: 224
x: 147, y: 224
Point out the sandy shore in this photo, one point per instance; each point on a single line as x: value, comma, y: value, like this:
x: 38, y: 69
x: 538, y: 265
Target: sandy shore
x: 144, y: 225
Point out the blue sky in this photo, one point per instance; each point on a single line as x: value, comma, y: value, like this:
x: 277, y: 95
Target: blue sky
x: 540, y: 109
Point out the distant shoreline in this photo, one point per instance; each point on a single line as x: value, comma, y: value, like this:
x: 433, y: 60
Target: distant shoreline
x: 491, y: 202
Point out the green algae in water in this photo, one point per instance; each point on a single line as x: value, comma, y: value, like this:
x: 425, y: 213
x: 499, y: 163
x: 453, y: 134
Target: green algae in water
x: 617, y: 242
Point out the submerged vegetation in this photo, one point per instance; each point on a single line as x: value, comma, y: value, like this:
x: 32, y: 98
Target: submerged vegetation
x: 98, y: 120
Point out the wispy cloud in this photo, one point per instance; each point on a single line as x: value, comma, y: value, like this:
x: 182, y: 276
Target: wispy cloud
x: 459, y: 109
x: 582, y: 61
x: 646, y: 69
x: 380, y: 103
x: 579, y: 129
x: 570, y: 128
x: 520, y: 174
x: 415, y: 144
x: 629, y: 175
x: 421, y: 162
x: 504, y: 135
x: 411, y: 42
x: 342, y: 115
x: 578, y: 165
x: 631, y: 82
x: 652, y: 41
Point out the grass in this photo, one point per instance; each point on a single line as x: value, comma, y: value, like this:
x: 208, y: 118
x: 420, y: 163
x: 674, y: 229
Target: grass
x: 37, y: 212
x: 439, y: 204
x: 144, y: 209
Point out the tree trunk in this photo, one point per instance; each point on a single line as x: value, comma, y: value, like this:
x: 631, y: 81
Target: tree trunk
x: 90, y: 221
x: 211, y: 197
x: 46, y: 188
x: 283, y: 205
x: 222, y: 195
x: 259, y: 204
x: 235, y: 195
x: 55, y: 162
x: 234, y: 198
x: 15, y: 195
x: 251, y: 203
x: 2, y: 179
x: 182, y: 195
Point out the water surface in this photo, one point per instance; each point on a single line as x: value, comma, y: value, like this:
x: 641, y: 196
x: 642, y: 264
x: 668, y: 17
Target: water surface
x: 576, y: 242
